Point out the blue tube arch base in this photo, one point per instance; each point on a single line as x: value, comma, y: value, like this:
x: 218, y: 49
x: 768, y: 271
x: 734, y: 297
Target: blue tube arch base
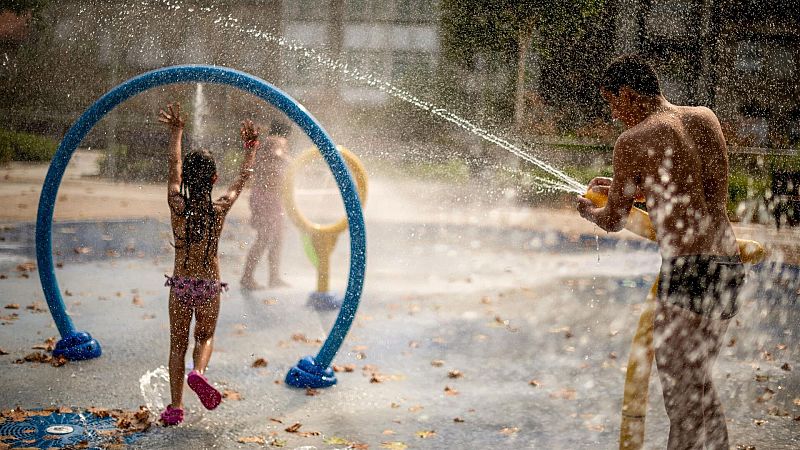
x: 309, y: 374
x: 79, y: 345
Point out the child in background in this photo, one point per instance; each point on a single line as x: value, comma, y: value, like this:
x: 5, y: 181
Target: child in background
x: 195, y: 285
x: 266, y: 206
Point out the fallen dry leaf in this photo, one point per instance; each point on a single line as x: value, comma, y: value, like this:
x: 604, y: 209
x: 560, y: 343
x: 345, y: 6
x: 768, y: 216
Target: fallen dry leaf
x: 42, y: 358
x: 308, y: 433
x: 49, y: 344
x: 336, y: 440
x: 455, y: 373
x: 37, y: 307
x: 260, y: 362
x: 766, y: 396
x: 99, y: 412
x: 425, y: 434
x: 509, y: 430
x: 134, y: 421
x: 252, y: 440
x: 12, y: 306
x: 450, y: 391
x: 376, y: 378
x: 230, y: 394
x: 564, y: 394
x: 394, y: 445
x: 10, y: 318
x: 437, y: 363
x: 345, y: 368
x: 779, y: 412
x: 293, y: 428
x: 300, y: 337
x: 598, y: 427
x: 26, y: 267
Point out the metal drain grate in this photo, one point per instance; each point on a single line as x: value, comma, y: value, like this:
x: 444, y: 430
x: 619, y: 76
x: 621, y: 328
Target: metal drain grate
x: 59, y: 430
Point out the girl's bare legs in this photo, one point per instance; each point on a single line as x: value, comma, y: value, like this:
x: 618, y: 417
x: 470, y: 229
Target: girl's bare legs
x: 256, y: 250
x: 205, y: 324
x: 180, y: 318
x: 274, y: 247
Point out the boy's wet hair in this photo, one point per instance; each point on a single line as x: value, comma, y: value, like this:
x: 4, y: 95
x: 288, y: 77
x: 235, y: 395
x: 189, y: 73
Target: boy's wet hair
x: 197, y: 181
x: 632, y: 71
x: 280, y: 128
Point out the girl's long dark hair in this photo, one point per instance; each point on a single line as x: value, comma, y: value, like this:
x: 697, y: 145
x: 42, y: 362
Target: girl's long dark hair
x: 198, y: 172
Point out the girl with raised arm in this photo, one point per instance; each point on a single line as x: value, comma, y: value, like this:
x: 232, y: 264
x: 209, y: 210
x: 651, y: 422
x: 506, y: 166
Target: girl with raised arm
x: 195, y: 284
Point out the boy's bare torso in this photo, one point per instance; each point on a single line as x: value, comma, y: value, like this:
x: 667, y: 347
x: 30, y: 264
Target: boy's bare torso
x: 679, y: 160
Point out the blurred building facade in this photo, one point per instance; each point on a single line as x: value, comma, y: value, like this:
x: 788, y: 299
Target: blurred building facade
x: 740, y: 57
x: 392, y: 39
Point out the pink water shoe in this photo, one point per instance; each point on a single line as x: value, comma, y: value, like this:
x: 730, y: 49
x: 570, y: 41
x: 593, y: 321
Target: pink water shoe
x: 210, y: 397
x: 172, y: 416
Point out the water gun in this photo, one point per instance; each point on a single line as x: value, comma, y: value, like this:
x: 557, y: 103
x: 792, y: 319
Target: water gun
x: 639, y: 223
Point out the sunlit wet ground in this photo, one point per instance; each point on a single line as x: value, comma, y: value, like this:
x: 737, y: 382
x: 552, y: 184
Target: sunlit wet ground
x: 467, y: 337
x: 502, y: 327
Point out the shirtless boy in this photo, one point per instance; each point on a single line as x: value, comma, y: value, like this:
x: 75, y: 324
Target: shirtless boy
x: 266, y: 206
x: 676, y: 158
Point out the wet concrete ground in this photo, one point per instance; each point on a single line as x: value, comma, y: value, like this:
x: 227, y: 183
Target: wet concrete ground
x: 466, y: 337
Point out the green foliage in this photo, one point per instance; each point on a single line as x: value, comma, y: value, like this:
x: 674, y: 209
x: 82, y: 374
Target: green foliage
x: 119, y: 163
x: 19, y: 7
x: 573, y: 40
x: 15, y: 146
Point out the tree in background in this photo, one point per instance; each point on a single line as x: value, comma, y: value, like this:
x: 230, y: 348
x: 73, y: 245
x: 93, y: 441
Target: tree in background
x: 571, y: 39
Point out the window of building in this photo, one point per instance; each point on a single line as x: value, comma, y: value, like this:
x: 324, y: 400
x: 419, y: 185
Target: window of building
x: 416, y: 11
x: 369, y: 10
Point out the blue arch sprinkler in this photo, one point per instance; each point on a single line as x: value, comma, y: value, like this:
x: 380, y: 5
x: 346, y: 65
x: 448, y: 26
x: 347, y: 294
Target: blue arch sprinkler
x: 78, y: 345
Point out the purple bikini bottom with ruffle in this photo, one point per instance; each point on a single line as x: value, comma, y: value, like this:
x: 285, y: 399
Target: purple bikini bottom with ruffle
x: 194, y: 292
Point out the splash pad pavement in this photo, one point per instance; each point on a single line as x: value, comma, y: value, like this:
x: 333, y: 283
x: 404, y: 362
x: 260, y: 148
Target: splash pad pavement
x: 469, y: 336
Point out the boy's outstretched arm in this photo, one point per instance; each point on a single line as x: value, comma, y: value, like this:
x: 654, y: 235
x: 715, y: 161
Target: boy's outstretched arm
x: 622, y: 190
x: 249, y: 134
x: 172, y: 118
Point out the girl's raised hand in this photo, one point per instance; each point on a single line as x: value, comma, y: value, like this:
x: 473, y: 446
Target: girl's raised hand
x: 172, y: 116
x: 249, y: 131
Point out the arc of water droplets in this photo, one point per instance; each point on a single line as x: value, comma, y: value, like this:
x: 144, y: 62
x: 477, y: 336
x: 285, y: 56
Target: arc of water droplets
x: 564, y: 182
